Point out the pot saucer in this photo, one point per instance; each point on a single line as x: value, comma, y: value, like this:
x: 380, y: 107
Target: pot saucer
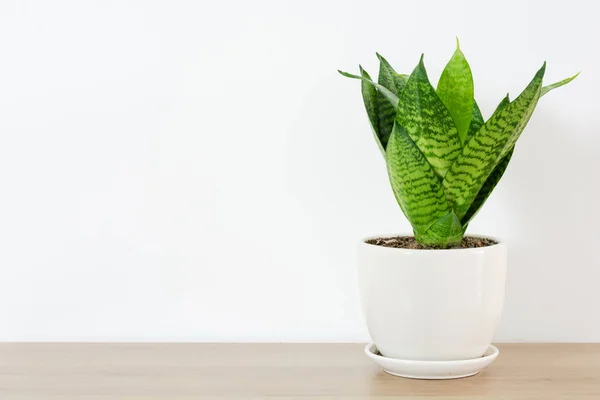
x: 432, y: 369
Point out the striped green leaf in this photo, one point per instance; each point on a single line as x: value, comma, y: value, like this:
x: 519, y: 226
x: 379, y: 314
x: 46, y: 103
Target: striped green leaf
x: 418, y: 190
x: 455, y: 89
x: 492, y: 180
x: 548, y: 88
x: 427, y: 121
x: 370, y: 99
x: 445, y: 232
x: 389, y: 95
x: 389, y: 79
x: 503, y: 103
x: 487, y: 188
x: 488, y: 146
x: 476, y: 121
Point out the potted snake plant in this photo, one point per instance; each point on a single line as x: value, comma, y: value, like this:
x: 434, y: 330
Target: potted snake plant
x: 437, y: 295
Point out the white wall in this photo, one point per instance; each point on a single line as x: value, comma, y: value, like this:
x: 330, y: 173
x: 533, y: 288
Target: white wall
x: 199, y: 171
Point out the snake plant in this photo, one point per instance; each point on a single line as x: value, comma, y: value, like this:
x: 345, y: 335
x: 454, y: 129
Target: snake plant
x: 443, y: 159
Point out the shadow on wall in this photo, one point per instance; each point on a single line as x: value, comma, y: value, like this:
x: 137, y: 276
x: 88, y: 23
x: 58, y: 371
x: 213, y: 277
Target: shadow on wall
x: 555, y: 231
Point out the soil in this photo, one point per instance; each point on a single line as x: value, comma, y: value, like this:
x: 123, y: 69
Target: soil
x: 409, y: 242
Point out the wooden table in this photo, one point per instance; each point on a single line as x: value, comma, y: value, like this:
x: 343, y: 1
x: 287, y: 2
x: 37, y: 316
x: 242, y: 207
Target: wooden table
x: 279, y: 371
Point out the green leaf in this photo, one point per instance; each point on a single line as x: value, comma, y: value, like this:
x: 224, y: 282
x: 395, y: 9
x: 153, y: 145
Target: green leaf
x: 492, y: 180
x: 456, y: 91
x: 487, y: 188
x: 445, y: 232
x: 503, y: 103
x: 414, y: 183
x: 391, y: 97
x: 548, y: 88
x: 389, y: 79
x: 369, y: 94
x: 427, y: 121
x: 476, y: 121
x: 488, y: 146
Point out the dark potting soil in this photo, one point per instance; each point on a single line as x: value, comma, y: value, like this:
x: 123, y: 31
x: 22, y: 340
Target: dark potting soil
x: 409, y: 242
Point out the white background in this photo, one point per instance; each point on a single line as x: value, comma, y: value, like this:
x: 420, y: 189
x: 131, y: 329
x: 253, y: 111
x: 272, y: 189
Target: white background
x: 198, y: 171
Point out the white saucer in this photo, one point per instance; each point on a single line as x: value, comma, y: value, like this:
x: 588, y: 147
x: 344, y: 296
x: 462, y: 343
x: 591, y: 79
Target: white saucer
x: 432, y: 369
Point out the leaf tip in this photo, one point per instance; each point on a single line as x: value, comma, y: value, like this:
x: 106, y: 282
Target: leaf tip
x: 541, y: 71
x: 382, y: 60
x: 421, y: 60
x: 457, y: 44
x: 348, y: 75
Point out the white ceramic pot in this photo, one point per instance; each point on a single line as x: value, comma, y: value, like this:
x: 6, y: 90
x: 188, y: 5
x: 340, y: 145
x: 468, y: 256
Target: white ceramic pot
x: 432, y: 304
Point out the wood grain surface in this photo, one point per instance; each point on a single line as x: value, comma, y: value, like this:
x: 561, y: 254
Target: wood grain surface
x: 279, y: 371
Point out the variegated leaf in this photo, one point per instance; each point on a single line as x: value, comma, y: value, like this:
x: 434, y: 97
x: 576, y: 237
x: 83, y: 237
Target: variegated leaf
x: 488, y: 146
x: 418, y: 190
x: 455, y: 89
x: 389, y: 79
x: 492, y: 180
x: 427, y: 121
x: 369, y: 94
x: 445, y: 232
x: 503, y: 103
x: 389, y: 95
x: 548, y: 88
x: 476, y: 121
x: 488, y: 187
